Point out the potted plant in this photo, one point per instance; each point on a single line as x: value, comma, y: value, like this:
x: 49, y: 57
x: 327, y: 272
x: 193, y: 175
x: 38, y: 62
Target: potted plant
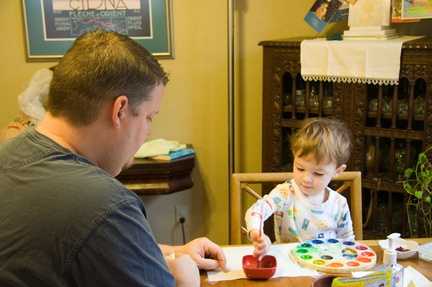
x: 418, y: 184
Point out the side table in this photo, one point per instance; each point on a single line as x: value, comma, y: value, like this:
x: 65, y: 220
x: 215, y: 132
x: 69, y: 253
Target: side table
x: 153, y: 177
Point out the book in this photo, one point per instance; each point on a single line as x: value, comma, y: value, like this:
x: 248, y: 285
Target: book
x: 366, y: 38
x: 322, y: 13
x: 174, y: 154
x: 369, y: 33
x: 368, y: 28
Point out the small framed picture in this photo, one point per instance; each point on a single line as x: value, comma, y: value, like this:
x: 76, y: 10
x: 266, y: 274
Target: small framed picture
x: 53, y: 25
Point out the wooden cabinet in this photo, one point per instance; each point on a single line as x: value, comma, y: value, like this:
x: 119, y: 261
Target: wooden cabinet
x: 390, y: 124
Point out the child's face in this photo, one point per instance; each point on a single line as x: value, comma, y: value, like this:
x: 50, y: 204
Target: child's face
x: 311, y: 177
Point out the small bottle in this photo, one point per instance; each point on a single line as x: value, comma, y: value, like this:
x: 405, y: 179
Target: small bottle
x: 390, y: 263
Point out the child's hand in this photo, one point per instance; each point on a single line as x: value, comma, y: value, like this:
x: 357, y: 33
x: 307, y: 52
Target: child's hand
x: 261, y: 243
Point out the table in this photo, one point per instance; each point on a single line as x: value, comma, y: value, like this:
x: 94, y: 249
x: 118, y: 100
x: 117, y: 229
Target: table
x: 422, y: 266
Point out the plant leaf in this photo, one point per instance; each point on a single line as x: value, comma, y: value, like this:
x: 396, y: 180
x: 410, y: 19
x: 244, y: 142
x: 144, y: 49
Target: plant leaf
x: 418, y: 193
x: 422, y: 157
x: 408, y: 173
x: 408, y: 188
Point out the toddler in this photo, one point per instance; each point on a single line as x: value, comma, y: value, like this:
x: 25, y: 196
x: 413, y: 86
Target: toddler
x: 305, y: 207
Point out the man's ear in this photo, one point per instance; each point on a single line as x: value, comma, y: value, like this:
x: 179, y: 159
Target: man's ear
x: 120, y: 107
x: 339, y: 170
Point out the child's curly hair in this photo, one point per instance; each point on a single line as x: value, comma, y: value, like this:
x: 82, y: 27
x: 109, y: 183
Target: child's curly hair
x: 322, y: 139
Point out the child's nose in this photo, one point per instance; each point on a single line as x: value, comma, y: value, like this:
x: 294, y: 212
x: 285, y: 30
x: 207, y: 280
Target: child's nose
x: 307, y: 177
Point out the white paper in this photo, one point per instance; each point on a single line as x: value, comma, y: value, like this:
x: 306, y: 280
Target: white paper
x: 285, y: 267
x: 418, y: 279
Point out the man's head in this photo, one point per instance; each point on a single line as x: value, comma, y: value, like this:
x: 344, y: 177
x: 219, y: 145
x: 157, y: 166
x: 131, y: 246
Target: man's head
x: 103, y: 97
x: 98, y: 68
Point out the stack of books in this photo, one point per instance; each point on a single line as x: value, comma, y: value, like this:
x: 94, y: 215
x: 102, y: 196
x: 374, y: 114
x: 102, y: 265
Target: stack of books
x: 370, y: 32
x: 174, y: 154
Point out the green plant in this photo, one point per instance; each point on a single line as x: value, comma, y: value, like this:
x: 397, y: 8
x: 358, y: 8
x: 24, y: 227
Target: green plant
x: 418, y: 184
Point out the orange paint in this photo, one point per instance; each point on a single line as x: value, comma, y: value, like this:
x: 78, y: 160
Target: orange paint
x: 364, y: 260
x: 335, y: 265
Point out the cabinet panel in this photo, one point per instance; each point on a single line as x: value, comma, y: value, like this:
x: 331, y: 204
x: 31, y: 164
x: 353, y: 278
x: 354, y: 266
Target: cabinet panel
x: 390, y: 124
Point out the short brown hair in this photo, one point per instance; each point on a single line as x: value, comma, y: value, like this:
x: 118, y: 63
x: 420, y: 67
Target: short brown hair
x: 99, y: 67
x: 321, y: 139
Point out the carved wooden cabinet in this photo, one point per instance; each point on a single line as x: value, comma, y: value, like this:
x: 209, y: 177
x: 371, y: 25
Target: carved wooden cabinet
x: 390, y: 124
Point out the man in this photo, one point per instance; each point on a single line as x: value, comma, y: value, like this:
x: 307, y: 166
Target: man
x: 64, y: 219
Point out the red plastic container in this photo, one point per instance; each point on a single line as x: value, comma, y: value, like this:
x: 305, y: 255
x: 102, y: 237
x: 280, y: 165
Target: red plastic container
x: 266, y: 269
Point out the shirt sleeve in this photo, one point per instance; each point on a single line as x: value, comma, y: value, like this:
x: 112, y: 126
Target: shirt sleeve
x: 273, y: 202
x: 120, y: 251
x: 344, y: 224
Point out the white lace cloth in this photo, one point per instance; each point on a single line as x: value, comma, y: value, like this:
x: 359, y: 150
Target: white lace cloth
x: 364, y: 61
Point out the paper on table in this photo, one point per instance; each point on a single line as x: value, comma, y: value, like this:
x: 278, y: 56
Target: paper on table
x: 410, y: 274
x: 418, y: 279
x: 285, y: 267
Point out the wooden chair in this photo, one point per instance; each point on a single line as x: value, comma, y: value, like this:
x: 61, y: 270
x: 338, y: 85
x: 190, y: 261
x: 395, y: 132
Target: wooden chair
x: 347, y: 181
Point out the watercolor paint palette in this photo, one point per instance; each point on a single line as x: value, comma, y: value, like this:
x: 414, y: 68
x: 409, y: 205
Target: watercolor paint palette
x: 334, y: 255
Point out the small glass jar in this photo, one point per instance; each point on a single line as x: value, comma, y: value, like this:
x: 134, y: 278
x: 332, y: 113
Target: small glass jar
x: 313, y: 101
x: 373, y: 105
x: 328, y: 103
x: 419, y: 106
x: 300, y: 98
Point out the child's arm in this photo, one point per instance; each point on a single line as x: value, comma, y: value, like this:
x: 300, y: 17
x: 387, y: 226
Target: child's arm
x: 345, y: 227
x: 265, y: 207
x: 259, y: 212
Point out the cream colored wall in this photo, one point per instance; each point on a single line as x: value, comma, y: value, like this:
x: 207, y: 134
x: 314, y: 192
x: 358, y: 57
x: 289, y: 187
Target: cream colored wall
x: 195, y: 106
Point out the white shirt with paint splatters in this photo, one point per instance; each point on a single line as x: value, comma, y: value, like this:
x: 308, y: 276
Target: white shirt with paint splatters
x: 299, y: 219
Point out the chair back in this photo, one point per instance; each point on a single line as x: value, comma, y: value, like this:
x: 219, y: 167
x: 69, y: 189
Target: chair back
x: 348, y: 183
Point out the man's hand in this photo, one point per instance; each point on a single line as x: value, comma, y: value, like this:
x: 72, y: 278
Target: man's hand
x: 184, y: 270
x: 205, y: 253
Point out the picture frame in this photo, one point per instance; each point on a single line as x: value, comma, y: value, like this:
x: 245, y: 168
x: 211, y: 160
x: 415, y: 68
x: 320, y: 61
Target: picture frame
x: 51, y: 26
x: 416, y: 9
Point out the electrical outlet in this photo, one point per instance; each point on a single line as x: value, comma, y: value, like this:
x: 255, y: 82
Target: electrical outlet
x: 182, y: 211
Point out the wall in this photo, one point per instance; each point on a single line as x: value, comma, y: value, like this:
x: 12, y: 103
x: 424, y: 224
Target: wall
x: 195, y: 106
x: 169, y: 231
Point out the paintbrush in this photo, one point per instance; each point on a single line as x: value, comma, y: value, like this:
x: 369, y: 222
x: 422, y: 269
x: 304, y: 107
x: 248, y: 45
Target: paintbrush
x: 260, y: 231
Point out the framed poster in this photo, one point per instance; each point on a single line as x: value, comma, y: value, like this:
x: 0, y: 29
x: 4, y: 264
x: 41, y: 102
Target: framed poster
x: 53, y: 25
